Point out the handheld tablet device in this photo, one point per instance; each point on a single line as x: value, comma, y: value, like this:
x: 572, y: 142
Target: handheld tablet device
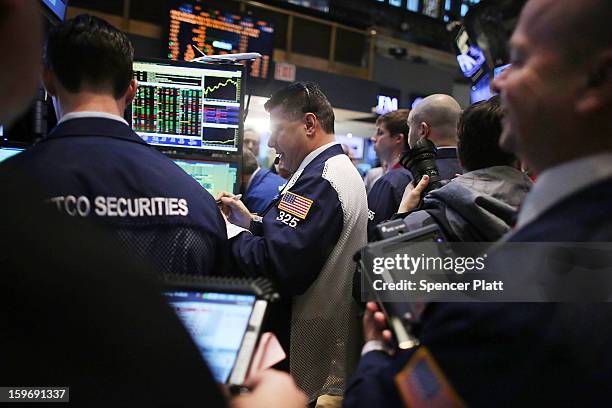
x: 224, y: 317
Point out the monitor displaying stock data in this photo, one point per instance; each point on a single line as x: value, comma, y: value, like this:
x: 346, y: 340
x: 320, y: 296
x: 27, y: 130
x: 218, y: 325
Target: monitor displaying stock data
x: 194, y: 24
x: 188, y: 106
x: 216, y: 177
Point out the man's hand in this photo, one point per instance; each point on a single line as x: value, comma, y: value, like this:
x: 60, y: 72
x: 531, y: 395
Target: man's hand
x: 271, y: 389
x: 412, y: 195
x: 375, y: 324
x: 234, y: 210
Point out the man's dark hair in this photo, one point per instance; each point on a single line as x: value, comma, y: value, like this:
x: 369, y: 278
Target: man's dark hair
x: 480, y: 127
x: 396, y: 122
x: 249, y: 162
x: 87, y: 50
x: 300, y: 98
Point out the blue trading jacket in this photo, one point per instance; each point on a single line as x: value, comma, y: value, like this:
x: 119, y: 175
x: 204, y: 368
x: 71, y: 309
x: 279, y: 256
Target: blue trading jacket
x: 100, y: 169
x: 265, y: 187
x: 294, y: 250
x: 386, y: 194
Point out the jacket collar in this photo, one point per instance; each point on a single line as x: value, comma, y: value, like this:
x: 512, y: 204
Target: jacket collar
x: 319, y: 155
x: 446, y: 153
x: 102, y: 127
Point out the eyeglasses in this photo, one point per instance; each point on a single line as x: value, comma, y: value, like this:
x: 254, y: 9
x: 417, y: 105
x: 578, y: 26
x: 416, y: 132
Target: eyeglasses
x: 308, y: 106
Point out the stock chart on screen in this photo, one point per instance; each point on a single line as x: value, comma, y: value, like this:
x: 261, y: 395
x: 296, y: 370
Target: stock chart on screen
x: 188, y: 107
x: 215, y: 177
x: 217, y: 32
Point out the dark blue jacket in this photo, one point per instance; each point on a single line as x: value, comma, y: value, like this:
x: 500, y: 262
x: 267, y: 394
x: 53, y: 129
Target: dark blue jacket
x: 264, y: 188
x: 291, y: 250
x: 100, y: 169
x: 515, y: 354
x: 386, y: 194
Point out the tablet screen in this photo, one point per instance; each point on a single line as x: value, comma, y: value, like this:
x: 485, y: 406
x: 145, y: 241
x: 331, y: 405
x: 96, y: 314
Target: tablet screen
x: 217, y: 323
x: 6, y: 152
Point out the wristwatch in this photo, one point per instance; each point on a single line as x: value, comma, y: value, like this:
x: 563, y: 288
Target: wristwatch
x: 256, y: 226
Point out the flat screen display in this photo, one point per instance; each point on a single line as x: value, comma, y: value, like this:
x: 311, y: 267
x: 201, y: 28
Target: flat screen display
x: 355, y: 143
x: 193, y: 106
x: 481, y: 91
x: 217, y: 322
x: 216, y: 32
x: 470, y: 57
x: 213, y: 176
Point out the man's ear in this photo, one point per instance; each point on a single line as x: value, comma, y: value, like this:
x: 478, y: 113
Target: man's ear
x: 424, y: 130
x: 597, y: 92
x: 48, y: 80
x: 131, y: 92
x: 401, y: 138
x: 310, y: 120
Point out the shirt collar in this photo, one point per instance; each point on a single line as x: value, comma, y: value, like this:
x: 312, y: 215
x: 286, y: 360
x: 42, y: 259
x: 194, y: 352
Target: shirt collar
x: 91, y: 114
x: 313, y: 155
x: 251, y: 178
x: 307, y: 160
x: 559, y: 182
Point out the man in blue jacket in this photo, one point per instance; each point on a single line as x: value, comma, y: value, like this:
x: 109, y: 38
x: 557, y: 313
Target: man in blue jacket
x: 558, y: 101
x: 93, y: 165
x: 306, y: 239
x: 259, y: 186
x: 75, y: 305
x: 390, y: 142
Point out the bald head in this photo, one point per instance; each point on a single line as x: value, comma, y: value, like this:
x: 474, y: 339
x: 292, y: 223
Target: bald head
x: 576, y: 29
x: 557, y: 95
x: 435, y: 118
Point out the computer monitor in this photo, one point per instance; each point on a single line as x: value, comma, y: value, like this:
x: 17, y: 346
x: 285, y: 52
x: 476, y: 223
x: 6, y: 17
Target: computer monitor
x: 355, y: 143
x: 215, y: 177
x: 6, y: 152
x: 192, y: 107
x: 481, y: 91
x: 217, y: 322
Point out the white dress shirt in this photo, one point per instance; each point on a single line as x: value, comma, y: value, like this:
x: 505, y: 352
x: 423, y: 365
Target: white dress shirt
x: 91, y: 114
x: 559, y: 182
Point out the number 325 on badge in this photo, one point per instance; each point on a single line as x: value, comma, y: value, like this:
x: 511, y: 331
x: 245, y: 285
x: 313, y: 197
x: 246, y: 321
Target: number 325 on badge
x: 287, y: 219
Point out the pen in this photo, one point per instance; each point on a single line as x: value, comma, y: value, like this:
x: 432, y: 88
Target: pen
x: 236, y: 197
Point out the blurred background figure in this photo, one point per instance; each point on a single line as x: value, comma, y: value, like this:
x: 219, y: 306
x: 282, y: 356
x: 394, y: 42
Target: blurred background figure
x: 390, y: 142
x: 347, y: 150
x: 251, y: 141
x: 259, y: 186
x: 374, y: 174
